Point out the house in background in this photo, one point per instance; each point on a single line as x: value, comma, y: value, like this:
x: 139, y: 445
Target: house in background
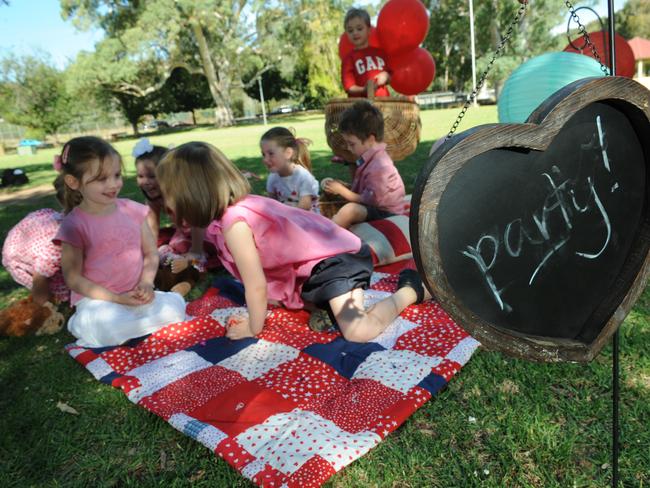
x: 641, y: 49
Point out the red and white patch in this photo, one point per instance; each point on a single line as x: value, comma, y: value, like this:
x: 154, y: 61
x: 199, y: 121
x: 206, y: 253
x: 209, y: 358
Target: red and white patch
x: 368, y: 400
x: 288, y: 440
x: 166, y: 341
x: 302, y: 380
x: 192, y: 391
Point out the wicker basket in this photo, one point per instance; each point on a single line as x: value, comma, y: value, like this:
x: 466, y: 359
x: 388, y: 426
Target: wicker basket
x: 401, y: 125
x: 330, y: 204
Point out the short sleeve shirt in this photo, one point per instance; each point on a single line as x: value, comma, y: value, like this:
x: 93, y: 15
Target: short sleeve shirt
x: 290, y: 189
x: 111, y: 244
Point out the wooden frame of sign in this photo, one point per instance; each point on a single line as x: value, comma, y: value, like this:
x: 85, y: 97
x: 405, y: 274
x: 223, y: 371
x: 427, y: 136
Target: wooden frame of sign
x: 535, y: 237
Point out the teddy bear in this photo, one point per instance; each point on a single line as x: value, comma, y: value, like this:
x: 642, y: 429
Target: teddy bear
x: 25, y: 316
x: 179, y: 274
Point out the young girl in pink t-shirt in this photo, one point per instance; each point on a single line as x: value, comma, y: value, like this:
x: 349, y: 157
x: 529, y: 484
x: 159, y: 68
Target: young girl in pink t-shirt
x: 282, y: 255
x: 108, y: 253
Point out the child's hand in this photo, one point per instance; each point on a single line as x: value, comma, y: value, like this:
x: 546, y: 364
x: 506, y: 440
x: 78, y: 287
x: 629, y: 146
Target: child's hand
x: 238, y: 327
x: 334, y: 187
x: 128, y: 298
x: 144, y: 293
x: 382, y: 78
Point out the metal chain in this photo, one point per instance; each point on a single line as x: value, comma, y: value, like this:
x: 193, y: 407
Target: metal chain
x: 479, y: 85
x: 582, y: 30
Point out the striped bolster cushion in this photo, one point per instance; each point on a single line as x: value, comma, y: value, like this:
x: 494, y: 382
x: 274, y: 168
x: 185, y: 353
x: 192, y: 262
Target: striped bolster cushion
x: 388, y: 239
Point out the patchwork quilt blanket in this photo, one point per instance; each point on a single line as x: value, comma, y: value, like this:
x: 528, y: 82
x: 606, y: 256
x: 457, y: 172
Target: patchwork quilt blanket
x: 292, y: 406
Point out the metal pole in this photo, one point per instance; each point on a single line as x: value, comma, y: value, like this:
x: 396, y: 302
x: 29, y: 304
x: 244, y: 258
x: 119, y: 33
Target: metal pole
x: 471, y: 35
x: 259, y: 84
x: 615, y: 343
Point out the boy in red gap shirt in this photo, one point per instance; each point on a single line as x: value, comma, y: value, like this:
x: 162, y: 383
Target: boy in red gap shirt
x: 364, y: 62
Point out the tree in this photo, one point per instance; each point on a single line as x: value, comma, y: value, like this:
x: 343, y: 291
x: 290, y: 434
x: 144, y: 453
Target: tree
x: 33, y: 94
x: 183, y: 92
x: 449, y: 37
x: 110, y: 74
x: 213, y: 37
x: 274, y: 86
x: 634, y: 19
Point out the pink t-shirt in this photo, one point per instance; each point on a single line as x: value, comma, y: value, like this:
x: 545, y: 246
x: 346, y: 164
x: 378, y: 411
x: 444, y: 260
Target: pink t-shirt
x: 378, y: 181
x: 29, y: 250
x: 112, y: 245
x: 290, y: 242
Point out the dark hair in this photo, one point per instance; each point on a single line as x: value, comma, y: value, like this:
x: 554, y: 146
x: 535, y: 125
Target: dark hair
x: 284, y: 138
x: 356, y: 13
x: 59, y: 187
x: 154, y: 155
x: 76, y: 156
x: 362, y: 120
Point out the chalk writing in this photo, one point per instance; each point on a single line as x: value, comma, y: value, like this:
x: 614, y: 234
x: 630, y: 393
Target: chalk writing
x: 545, y: 231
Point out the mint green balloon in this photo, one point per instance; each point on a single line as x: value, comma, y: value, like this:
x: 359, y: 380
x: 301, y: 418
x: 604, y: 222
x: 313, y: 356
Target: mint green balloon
x: 538, y: 78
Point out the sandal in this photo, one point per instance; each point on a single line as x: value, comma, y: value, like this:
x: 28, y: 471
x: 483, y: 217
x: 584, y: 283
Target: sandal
x: 411, y: 278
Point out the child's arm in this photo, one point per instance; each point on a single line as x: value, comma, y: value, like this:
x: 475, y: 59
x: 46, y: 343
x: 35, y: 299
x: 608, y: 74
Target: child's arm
x: 198, y: 234
x: 40, y: 289
x: 337, y: 188
x: 240, y: 242
x: 194, y: 255
x: 72, y: 265
x: 144, y: 290
x: 305, y: 202
x: 153, y: 219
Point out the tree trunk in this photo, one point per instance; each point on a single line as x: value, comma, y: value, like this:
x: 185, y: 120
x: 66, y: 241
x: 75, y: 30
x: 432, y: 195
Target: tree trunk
x: 223, y: 112
x: 134, y: 126
x: 193, y: 117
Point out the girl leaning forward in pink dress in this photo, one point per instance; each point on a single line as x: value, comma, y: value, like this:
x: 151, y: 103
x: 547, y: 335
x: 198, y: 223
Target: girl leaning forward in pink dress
x: 282, y: 255
x: 108, y: 253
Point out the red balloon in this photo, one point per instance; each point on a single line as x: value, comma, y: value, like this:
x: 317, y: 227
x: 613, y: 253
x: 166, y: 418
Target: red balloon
x: 346, y: 46
x: 402, y: 25
x: 412, y: 71
x: 373, y: 40
x: 624, y: 54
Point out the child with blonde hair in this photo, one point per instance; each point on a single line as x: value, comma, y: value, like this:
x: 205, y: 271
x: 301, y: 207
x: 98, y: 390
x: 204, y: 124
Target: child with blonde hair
x: 108, y: 253
x: 281, y: 254
x: 287, y: 158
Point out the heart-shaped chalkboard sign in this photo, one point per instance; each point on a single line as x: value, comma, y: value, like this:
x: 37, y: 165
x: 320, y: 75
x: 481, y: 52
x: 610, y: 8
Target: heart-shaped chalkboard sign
x: 535, y: 237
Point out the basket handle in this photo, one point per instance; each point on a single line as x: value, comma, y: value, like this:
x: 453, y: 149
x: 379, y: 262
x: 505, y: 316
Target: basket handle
x: 371, y: 86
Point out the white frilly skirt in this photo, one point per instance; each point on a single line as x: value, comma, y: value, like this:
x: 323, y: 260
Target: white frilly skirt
x: 98, y: 323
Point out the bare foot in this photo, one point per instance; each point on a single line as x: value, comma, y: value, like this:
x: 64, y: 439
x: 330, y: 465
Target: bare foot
x: 179, y: 264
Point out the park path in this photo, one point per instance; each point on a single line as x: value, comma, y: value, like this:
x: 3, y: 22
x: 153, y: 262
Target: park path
x: 23, y: 196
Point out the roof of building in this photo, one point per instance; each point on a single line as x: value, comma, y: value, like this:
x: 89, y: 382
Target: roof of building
x: 640, y: 47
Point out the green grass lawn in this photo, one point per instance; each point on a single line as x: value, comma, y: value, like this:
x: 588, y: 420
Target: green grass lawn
x: 501, y: 422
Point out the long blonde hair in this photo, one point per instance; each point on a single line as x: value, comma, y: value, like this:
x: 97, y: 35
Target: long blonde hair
x: 199, y: 183
x: 285, y: 138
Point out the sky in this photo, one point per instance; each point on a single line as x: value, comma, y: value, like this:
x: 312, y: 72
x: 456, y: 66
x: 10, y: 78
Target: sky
x: 27, y: 26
